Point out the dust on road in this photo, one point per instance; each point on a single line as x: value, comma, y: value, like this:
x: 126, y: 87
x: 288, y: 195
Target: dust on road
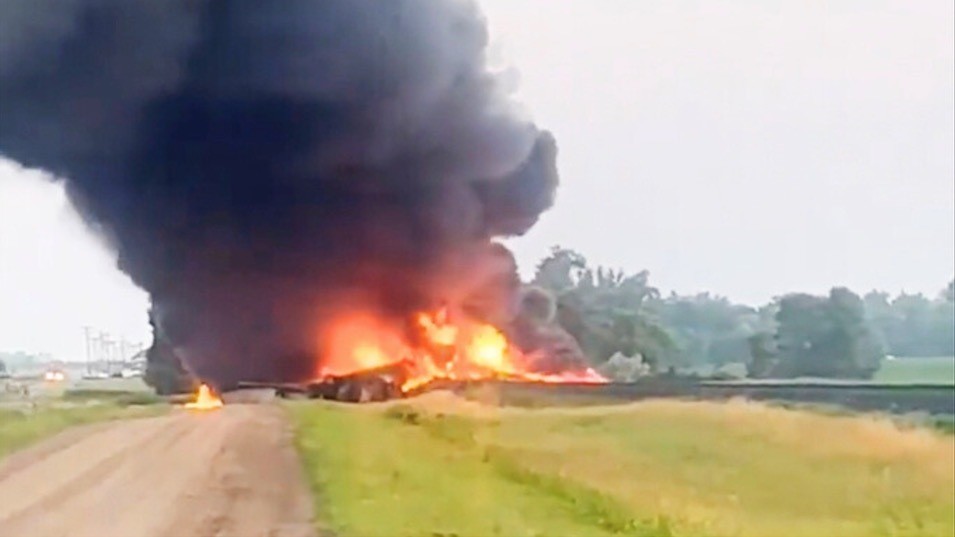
x: 231, y: 472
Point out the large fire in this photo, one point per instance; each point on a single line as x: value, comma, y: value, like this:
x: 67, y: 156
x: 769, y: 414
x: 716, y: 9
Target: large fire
x: 462, y: 349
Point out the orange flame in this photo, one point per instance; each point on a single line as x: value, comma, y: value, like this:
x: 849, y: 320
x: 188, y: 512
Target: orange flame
x: 205, y: 400
x: 360, y: 342
x: 466, y: 350
x: 437, y: 329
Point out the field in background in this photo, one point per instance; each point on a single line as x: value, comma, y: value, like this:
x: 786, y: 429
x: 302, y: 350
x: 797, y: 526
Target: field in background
x: 20, y: 427
x: 937, y: 370
x: 439, y: 465
x: 40, y: 390
x: 52, y: 407
x: 134, y: 384
x: 932, y: 370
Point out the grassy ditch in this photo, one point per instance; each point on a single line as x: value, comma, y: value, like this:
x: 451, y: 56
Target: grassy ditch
x: 21, y: 426
x: 439, y: 465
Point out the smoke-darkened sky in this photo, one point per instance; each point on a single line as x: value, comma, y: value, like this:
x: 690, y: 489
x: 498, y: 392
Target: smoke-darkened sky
x: 747, y: 149
x: 264, y: 168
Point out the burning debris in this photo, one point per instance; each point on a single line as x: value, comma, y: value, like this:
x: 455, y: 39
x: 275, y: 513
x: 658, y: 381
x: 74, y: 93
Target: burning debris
x: 444, y: 349
x: 206, y: 399
x: 377, y: 384
x: 307, y: 190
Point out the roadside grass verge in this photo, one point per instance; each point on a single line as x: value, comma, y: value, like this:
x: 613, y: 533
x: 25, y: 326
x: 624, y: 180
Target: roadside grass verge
x: 389, y: 474
x: 118, y: 397
x: 439, y: 465
x: 21, y: 427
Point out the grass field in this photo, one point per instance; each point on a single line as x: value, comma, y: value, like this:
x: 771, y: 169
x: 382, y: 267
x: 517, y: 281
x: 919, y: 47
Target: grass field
x: 930, y: 370
x: 19, y: 427
x: 440, y: 465
x: 938, y: 370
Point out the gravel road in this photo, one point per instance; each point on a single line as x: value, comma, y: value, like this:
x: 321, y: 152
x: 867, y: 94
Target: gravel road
x: 231, y: 472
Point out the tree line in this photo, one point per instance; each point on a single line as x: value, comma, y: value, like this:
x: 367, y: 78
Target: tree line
x: 840, y: 335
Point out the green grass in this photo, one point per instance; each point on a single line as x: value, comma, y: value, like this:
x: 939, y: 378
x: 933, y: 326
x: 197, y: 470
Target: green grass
x: 938, y: 370
x: 19, y: 428
x: 119, y: 397
x: 442, y: 466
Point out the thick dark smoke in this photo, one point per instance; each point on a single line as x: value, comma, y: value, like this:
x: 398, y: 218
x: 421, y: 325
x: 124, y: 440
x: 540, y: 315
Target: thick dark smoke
x: 261, y: 165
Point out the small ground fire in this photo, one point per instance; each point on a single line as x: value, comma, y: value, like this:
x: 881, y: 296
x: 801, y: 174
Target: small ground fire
x: 206, y: 399
x: 441, y: 346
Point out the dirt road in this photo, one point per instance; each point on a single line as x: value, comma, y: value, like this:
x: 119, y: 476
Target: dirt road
x: 230, y: 472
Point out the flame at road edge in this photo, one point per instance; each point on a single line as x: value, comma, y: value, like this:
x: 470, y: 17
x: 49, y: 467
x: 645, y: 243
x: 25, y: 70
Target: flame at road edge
x: 206, y: 399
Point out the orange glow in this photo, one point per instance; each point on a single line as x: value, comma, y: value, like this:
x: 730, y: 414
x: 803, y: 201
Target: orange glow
x: 205, y: 400
x: 489, y: 348
x: 437, y: 329
x: 54, y: 376
x: 360, y: 342
x: 448, y: 349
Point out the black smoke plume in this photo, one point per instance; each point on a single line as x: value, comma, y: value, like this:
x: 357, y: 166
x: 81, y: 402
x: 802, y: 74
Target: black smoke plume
x: 261, y: 165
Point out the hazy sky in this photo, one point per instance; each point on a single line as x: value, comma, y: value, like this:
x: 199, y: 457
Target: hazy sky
x: 747, y: 148
x: 55, y: 277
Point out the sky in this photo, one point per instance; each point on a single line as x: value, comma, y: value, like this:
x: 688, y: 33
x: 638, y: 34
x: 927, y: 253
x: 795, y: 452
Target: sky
x: 746, y: 148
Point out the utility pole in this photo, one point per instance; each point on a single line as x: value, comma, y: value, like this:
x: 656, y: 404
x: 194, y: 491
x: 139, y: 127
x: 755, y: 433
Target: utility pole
x: 124, y: 353
x: 86, y: 335
x: 98, y: 349
x: 107, y: 350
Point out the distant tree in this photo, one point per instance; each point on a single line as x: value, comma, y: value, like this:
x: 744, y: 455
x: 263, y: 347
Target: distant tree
x: 840, y: 335
x: 3, y: 367
x: 604, y: 309
x: 943, y: 327
x: 801, y: 320
x: 730, y: 348
x: 943, y: 322
x: 825, y: 337
x: 852, y: 336
x: 708, y: 329
x: 912, y: 324
x: 560, y: 270
x: 633, y: 333
x: 764, y: 355
x: 881, y: 316
x: 909, y: 336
